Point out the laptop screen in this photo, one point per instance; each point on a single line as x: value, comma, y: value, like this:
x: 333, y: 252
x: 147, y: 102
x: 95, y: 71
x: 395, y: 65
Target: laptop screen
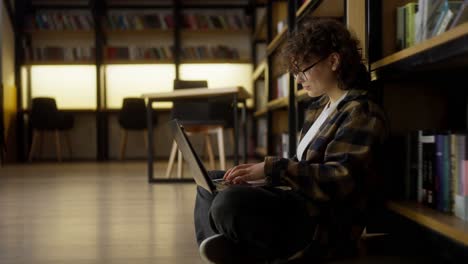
x: 196, y: 166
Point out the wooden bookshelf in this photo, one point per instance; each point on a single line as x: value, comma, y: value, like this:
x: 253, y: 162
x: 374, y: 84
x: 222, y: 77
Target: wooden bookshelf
x: 447, y: 225
x: 307, y: 5
x: 147, y: 61
x: 261, y: 112
x: 59, y: 62
x: 278, y: 103
x: 322, y: 8
x: 213, y: 32
x: 43, y: 33
x: 208, y: 61
x: 147, y: 32
x: 459, y: 33
x: 274, y: 44
x: 259, y: 71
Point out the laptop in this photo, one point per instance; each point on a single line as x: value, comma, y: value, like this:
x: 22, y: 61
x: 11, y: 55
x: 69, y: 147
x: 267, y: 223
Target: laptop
x: 199, y: 171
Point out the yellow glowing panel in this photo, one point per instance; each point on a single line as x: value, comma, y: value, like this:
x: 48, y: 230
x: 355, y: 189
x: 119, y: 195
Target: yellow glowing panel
x: 220, y: 75
x: 73, y: 87
x: 134, y: 80
x: 24, y: 90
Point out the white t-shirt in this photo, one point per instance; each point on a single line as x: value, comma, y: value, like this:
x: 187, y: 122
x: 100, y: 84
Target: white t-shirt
x: 313, y: 130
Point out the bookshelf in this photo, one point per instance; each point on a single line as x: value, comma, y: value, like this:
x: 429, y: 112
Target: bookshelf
x: 58, y: 62
x: 444, y: 224
x: 274, y: 44
x: 417, y: 88
x: 139, y: 32
x: 421, y: 53
x: 332, y: 8
x: 125, y: 20
x: 140, y: 28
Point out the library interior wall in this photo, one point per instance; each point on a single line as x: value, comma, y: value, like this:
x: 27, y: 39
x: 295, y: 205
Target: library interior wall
x: 8, y: 81
x: 72, y: 86
x: 134, y: 80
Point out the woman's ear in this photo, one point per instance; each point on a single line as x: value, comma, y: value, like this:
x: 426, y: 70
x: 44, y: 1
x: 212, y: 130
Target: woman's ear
x: 335, y: 61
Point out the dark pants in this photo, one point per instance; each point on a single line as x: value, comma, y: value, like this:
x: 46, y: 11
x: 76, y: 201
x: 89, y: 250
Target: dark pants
x: 267, y: 222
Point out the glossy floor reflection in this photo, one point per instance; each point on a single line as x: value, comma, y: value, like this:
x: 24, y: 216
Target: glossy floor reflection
x: 94, y: 213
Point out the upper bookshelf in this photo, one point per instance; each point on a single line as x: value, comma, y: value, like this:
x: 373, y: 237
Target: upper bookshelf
x: 275, y: 43
x: 450, y: 46
x: 275, y: 104
x: 278, y: 103
x: 213, y: 32
x: 58, y: 62
x: 139, y: 61
x: 146, y: 31
x: 38, y: 34
x: 447, y: 225
x: 322, y: 8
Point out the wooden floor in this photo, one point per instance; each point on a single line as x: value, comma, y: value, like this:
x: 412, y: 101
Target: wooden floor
x: 94, y: 213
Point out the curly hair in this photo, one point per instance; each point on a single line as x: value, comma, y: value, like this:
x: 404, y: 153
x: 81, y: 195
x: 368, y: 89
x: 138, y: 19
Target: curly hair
x: 319, y: 37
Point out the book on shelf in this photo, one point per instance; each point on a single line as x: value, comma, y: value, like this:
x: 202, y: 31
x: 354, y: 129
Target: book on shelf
x: 437, y: 170
x: 444, y: 17
x: 209, y: 52
x: 138, y: 53
x: 416, y: 22
x: 461, y: 14
x: 197, y: 21
x: 57, y: 53
x: 405, y: 28
x: 131, y: 20
x: 60, y: 20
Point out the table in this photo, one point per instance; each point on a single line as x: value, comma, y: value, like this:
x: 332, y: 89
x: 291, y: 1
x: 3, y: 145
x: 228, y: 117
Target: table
x: 238, y: 95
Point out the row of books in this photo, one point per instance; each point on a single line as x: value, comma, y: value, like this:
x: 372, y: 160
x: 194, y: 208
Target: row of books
x: 138, y: 53
x: 417, y: 22
x: 134, y: 21
x: 129, y: 53
x: 437, y: 170
x: 213, y: 52
x: 61, y: 21
x: 205, y: 21
x: 80, y: 20
x: 52, y: 53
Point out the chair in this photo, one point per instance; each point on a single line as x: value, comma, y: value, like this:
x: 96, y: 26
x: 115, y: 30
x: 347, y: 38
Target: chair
x: 132, y: 117
x: 208, y: 118
x: 45, y: 117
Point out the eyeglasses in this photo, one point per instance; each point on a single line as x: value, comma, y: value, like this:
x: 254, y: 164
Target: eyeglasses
x: 302, y: 73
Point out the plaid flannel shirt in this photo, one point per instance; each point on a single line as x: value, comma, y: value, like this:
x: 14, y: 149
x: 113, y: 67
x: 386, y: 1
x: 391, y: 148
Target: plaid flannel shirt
x: 339, y: 169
